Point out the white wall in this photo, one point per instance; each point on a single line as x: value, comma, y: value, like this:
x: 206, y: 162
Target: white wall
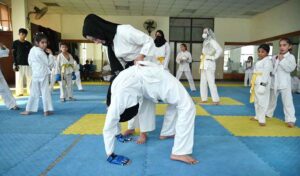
x: 282, y: 19
x: 73, y: 29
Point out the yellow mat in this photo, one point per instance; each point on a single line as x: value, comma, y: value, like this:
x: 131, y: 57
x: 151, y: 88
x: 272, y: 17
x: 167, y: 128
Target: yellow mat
x: 90, y: 124
x: 96, y: 83
x: 223, y: 101
x: 161, y: 110
x: 220, y: 84
x: 243, y: 126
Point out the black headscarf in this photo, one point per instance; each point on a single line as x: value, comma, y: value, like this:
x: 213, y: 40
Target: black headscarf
x: 160, y: 40
x: 99, y: 28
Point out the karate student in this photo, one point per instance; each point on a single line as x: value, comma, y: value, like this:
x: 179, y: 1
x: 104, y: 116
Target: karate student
x: 184, y: 58
x: 20, y: 50
x: 295, y: 85
x: 248, y: 67
x: 53, y: 74
x: 284, y: 63
x: 211, y: 51
x: 162, y: 50
x: 143, y: 81
x: 5, y: 92
x: 125, y: 45
x: 40, y: 64
x: 77, y: 74
x: 260, y: 84
x: 65, y: 71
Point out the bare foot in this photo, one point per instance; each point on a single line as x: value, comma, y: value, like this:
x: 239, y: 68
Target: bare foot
x: 253, y: 119
x: 25, y: 113
x: 202, y: 102
x: 47, y: 113
x: 262, y: 124
x: 166, y: 137
x: 290, y: 124
x: 184, y: 158
x: 128, y: 132
x: 216, y: 103
x: 142, y: 139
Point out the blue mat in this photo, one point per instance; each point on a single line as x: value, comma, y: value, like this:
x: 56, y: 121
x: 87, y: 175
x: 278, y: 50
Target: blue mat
x: 281, y: 153
x: 222, y: 155
x: 14, y: 148
x: 88, y: 158
x: 39, y: 160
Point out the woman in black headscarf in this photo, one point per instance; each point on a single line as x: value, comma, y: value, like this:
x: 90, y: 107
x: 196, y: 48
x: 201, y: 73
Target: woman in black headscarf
x: 162, y: 49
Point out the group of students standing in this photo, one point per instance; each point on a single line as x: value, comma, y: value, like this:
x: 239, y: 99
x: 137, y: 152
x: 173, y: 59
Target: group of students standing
x: 36, y: 64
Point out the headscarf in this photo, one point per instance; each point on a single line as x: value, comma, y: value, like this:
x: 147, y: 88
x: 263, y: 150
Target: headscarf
x: 210, y: 36
x: 99, y: 28
x: 160, y: 40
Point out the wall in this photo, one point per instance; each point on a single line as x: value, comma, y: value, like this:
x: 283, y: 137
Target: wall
x: 52, y: 21
x: 276, y: 21
x: 230, y: 29
x: 73, y: 29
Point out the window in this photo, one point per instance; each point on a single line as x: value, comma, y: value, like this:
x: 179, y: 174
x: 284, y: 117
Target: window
x: 5, y: 18
x: 189, y: 29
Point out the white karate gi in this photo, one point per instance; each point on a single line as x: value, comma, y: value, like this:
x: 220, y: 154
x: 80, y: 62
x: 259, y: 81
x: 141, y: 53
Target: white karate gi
x: 162, y: 55
x: 24, y: 72
x: 248, y: 67
x: 128, y: 44
x: 295, y: 84
x: 211, y: 51
x: 53, y: 75
x: 262, y: 71
x: 78, y: 79
x: 65, y: 67
x: 153, y: 83
x: 40, y: 64
x: 184, y: 59
x: 107, y: 69
x: 5, y: 92
x: 281, y: 83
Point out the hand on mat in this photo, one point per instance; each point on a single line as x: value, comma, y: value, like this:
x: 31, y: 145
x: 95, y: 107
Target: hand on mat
x: 123, y: 139
x: 118, y: 159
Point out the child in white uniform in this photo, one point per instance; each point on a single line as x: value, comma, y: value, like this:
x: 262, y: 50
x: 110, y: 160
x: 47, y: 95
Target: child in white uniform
x: 284, y: 63
x: 40, y: 64
x: 184, y: 59
x: 260, y: 84
x: 5, y: 92
x: 149, y: 81
x: 65, y: 71
x: 248, y: 67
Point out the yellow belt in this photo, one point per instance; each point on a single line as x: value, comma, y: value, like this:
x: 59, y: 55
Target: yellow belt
x: 64, y: 66
x: 160, y: 59
x: 202, y: 60
x: 254, y: 77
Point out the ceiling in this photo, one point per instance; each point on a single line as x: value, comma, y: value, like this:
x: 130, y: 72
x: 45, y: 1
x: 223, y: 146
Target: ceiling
x: 173, y: 8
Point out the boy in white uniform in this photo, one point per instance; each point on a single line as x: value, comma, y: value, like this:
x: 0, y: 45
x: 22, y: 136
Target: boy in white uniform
x: 284, y: 63
x: 5, y: 92
x: 260, y: 84
x: 149, y: 81
x: 40, y: 64
x: 65, y: 69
